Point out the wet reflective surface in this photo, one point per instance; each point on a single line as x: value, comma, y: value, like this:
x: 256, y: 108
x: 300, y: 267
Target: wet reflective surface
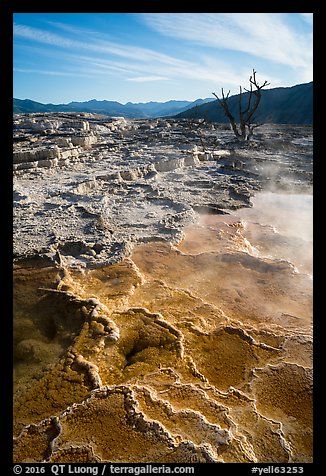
x: 197, y: 352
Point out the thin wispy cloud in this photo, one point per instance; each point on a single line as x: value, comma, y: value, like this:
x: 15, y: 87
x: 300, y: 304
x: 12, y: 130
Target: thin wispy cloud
x: 137, y: 72
x: 144, y: 79
x: 52, y: 72
x: 208, y: 69
x: 43, y: 36
x: 149, y: 65
x: 98, y: 46
x: 308, y: 17
x: 188, y: 54
x: 73, y: 29
x: 265, y: 35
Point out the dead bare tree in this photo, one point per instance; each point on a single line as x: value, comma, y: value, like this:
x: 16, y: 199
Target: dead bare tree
x: 245, y: 129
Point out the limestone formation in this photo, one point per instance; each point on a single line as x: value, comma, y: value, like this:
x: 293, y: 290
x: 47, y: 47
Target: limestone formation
x: 160, y: 314
x: 167, y: 180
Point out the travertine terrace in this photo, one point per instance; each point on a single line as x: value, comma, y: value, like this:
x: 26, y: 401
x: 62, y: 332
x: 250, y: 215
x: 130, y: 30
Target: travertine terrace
x: 150, y: 323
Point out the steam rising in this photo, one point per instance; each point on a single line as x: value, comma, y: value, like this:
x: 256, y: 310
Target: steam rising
x: 280, y: 225
x: 195, y: 345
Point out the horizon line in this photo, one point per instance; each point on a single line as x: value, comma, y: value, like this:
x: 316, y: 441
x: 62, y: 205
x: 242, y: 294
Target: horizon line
x: 145, y: 102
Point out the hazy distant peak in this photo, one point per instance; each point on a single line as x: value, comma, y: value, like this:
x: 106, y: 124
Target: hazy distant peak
x: 278, y: 105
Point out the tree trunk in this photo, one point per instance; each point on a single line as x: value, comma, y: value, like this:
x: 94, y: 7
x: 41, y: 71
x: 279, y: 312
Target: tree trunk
x: 246, y: 126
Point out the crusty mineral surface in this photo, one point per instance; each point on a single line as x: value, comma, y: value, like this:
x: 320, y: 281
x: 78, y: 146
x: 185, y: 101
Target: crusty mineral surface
x: 155, y: 318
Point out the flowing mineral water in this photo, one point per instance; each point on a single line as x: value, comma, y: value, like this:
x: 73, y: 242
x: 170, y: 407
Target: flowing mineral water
x: 213, y: 357
x: 281, y: 226
x: 194, y: 345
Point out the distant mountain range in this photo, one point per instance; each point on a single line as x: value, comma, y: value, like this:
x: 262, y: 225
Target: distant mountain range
x: 292, y: 105
x: 111, y: 108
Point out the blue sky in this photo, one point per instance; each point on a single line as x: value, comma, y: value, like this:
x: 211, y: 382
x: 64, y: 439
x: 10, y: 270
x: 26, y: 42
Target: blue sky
x: 140, y: 57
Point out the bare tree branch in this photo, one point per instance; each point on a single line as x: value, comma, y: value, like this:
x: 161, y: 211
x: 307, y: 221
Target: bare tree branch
x: 246, y: 119
x: 224, y: 104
